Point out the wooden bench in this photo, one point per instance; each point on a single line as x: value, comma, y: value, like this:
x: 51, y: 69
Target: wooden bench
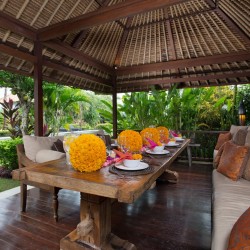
x: 24, y: 161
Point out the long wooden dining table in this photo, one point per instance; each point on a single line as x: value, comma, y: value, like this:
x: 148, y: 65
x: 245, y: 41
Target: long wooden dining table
x: 98, y: 189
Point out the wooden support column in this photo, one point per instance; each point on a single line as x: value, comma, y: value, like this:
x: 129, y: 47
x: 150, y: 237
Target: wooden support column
x: 38, y: 91
x: 114, y: 101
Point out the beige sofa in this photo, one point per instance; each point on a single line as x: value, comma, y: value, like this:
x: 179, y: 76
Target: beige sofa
x: 230, y: 200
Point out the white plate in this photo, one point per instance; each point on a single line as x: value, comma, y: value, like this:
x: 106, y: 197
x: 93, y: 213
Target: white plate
x: 141, y: 165
x: 179, y: 139
x: 172, y: 145
x: 163, y: 152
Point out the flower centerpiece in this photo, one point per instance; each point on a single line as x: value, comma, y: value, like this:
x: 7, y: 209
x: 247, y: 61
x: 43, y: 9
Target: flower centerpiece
x: 152, y: 134
x: 130, y: 141
x: 164, y: 134
x: 87, y: 153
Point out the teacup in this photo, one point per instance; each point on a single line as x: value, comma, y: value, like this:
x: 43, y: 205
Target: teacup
x: 158, y: 149
x: 131, y: 163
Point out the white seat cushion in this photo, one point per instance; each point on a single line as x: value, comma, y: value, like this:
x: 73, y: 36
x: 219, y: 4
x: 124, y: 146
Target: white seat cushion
x: 45, y: 155
x: 33, y: 144
x: 230, y: 200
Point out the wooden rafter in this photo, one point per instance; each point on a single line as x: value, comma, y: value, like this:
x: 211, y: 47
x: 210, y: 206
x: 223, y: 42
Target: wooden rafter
x: 122, y: 42
x: 76, y: 54
x: 233, y: 25
x: 101, y: 16
x: 185, y: 63
x: 75, y: 72
x: 9, y: 23
x: 186, y: 79
x: 6, y: 49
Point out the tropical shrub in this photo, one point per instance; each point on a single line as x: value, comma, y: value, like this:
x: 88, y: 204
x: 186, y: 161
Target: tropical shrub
x: 4, y: 132
x: 8, y: 153
x: 11, y: 114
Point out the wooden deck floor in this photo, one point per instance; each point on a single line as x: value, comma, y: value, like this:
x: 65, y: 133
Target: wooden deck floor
x: 170, y: 216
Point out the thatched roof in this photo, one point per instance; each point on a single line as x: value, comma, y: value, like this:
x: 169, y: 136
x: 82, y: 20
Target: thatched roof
x: 128, y: 45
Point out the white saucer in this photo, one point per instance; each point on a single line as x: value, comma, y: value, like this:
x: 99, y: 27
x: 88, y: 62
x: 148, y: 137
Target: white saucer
x: 163, y: 152
x: 140, y: 166
x: 179, y: 139
x: 172, y: 145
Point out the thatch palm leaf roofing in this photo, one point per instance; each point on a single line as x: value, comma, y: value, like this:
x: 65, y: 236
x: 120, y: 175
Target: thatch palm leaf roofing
x: 128, y: 45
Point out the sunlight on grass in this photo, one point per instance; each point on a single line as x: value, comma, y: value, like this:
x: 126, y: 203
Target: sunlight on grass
x: 6, y: 184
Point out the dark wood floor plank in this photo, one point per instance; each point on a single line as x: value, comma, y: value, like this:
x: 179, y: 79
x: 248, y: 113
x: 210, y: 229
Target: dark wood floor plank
x: 170, y: 216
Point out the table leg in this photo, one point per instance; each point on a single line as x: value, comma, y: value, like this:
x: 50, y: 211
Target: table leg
x: 189, y: 153
x: 94, y: 230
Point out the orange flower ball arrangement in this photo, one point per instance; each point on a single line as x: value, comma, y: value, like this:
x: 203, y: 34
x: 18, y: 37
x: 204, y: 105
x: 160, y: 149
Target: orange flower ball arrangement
x: 152, y: 134
x: 164, y: 134
x: 131, y: 140
x: 87, y: 153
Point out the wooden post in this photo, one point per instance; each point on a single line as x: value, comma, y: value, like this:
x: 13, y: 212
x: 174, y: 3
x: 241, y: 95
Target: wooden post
x: 114, y: 100
x: 38, y: 91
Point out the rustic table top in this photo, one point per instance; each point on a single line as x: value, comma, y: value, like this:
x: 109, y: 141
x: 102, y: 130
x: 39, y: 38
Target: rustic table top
x: 102, y: 182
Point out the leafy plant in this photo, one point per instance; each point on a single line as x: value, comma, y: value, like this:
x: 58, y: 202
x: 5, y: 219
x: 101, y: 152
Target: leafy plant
x: 10, y: 112
x: 8, y: 153
x: 4, y: 132
x: 23, y: 87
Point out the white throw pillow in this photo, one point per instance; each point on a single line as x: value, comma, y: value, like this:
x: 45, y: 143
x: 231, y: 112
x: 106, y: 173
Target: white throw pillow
x: 45, y: 155
x: 33, y: 144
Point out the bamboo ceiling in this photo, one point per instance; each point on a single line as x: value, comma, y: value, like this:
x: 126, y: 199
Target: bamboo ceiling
x: 128, y: 45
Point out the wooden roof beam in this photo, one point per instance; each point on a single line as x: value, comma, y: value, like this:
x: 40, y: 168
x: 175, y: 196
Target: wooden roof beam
x: 9, y: 23
x: 75, y: 72
x: 76, y: 54
x: 9, y: 50
x: 184, y: 79
x: 104, y: 15
x: 185, y: 63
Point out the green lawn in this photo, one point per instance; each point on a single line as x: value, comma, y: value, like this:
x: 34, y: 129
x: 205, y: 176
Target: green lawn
x: 6, y: 184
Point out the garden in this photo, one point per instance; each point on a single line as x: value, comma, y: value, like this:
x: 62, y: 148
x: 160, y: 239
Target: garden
x: 195, y: 112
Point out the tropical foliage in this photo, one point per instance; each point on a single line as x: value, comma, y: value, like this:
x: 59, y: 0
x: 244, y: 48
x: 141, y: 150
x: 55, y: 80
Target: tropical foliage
x: 23, y: 87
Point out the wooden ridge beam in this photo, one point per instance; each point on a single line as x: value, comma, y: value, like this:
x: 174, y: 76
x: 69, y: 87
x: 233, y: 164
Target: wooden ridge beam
x: 16, y: 26
x: 7, y: 49
x: 75, y: 72
x: 104, y: 15
x: 76, y: 54
x: 185, y: 63
x: 185, y: 79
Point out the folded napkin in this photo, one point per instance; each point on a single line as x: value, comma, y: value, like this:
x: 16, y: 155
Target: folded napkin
x: 152, y: 143
x: 122, y: 156
x: 174, y: 134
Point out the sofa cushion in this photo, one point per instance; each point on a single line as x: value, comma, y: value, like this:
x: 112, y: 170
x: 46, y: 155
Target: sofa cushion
x: 240, y: 234
x: 223, y: 137
x: 240, y: 137
x: 230, y: 200
x: 33, y: 144
x: 45, y: 155
x: 233, y: 160
x: 235, y: 128
x: 218, y: 156
x: 58, y: 146
x: 247, y: 142
x: 246, y: 173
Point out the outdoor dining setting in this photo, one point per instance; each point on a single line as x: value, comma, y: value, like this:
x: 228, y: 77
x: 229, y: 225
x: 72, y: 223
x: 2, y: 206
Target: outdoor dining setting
x: 124, y: 124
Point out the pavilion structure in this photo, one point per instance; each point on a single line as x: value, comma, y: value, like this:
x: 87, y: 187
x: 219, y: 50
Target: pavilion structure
x: 118, y: 46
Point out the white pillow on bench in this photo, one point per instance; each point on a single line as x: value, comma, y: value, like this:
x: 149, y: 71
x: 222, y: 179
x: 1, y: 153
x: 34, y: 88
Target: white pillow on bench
x: 45, y: 155
x: 33, y: 144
